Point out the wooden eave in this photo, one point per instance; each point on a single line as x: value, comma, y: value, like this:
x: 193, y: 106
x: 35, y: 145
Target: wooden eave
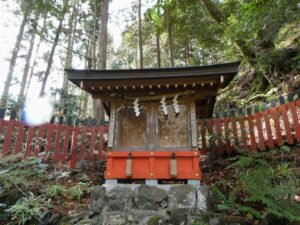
x: 103, y: 82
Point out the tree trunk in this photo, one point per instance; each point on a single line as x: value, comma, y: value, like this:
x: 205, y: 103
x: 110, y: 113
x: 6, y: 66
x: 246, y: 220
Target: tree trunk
x: 246, y: 51
x: 50, y: 60
x: 141, y: 59
x: 93, y: 42
x: 170, y: 43
x: 84, y: 105
x: 69, y: 54
x: 218, y: 17
x: 98, y: 109
x: 12, y: 61
x: 157, y: 36
x: 158, y: 50
x: 32, y: 69
x: 21, y: 97
x: 103, y: 36
x: 35, y: 58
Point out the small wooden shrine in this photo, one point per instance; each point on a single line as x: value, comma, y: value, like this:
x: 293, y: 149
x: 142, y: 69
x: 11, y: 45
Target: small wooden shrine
x: 152, y: 116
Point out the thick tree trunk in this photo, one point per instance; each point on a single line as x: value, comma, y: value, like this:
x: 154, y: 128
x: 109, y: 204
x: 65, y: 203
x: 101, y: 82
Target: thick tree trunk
x: 50, y: 60
x: 141, y: 58
x: 218, y: 17
x: 102, y: 50
x: 93, y: 43
x: 98, y: 109
x: 12, y: 62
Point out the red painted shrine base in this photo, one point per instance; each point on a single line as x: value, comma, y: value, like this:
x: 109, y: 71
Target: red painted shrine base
x: 153, y: 165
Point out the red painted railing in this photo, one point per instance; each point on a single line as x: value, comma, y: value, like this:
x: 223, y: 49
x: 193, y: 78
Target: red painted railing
x: 70, y: 144
x: 58, y: 143
x: 260, y: 131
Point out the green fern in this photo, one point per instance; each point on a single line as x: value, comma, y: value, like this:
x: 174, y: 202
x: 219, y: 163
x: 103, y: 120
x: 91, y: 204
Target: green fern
x: 56, y: 191
x: 261, y: 187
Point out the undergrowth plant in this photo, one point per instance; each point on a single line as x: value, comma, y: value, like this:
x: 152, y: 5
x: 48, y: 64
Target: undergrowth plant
x: 56, y: 191
x: 262, y: 185
x: 17, y: 171
x: 28, y: 208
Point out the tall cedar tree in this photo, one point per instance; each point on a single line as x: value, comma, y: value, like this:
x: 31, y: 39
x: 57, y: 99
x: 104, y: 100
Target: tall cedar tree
x: 12, y: 62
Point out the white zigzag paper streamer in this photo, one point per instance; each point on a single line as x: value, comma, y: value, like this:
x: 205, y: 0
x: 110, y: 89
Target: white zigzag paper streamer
x: 136, y: 107
x: 164, y: 106
x: 175, y: 104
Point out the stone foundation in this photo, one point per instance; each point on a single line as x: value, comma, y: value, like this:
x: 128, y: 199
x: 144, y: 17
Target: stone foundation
x: 148, y: 204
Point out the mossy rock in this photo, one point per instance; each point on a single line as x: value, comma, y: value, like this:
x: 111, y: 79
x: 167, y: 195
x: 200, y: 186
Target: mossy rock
x: 178, y: 216
x: 223, y: 219
x: 199, y: 222
x: 155, y: 220
x: 65, y: 220
x: 85, y: 222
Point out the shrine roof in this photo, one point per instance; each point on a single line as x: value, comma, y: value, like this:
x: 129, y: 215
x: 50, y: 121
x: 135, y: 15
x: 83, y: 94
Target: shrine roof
x: 227, y: 69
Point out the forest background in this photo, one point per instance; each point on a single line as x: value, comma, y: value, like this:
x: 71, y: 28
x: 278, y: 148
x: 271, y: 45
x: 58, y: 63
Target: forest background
x: 52, y: 35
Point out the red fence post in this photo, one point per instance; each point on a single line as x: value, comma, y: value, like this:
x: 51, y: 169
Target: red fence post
x: 234, y: 131
x: 101, y: 143
x: 83, y: 143
x: 219, y: 133
x: 227, y: 134
x: 243, y: 132
x: 260, y: 131
x: 56, y: 154
x: 203, y: 137
x: 29, y: 146
x: 8, y: 136
x: 251, y: 132
x: 41, y: 130
x: 92, y: 142
x: 66, y: 144
x: 19, y: 138
x: 49, y: 140
x: 293, y: 109
x: 269, y: 130
x: 74, y: 147
x: 274, y: 115
x: 282, y: 109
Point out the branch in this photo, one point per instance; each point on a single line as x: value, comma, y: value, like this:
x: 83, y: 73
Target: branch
x: 51, y: 42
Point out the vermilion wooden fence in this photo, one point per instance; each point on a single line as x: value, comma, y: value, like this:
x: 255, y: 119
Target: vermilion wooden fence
x: 253, y: 132
x: 55, y: 142
x: 69, y: 144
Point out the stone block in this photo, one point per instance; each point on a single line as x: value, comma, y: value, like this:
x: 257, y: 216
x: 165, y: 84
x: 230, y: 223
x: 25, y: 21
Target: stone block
x: 119, y: 198
x: 203, y: 196
x: 150, y: 198
x: 182, y: 196
x: 97, y: 199
x: 178, y: 217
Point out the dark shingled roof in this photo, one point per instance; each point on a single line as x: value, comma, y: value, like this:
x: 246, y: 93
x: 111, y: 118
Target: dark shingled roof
x: 154, y: 73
